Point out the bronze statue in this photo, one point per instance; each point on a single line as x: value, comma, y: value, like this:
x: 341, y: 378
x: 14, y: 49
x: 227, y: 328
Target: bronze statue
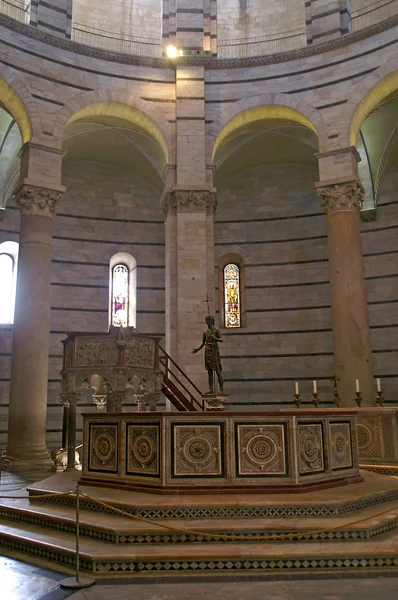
x: 210, y: 340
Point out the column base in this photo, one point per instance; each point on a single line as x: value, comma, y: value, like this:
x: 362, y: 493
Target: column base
x: 215, y: 402
x: 29, y: 457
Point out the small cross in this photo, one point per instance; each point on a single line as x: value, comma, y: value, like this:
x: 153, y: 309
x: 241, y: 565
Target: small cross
x: 207, y: 301
x: 335, y: 379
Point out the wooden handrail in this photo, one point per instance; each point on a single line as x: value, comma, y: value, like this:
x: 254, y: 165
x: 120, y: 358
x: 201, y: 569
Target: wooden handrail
x: 179, y: 369
x: 194, y: 400
x: 165, y: 360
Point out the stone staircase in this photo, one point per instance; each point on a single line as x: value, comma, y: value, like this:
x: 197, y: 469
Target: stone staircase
x: 120, y: 546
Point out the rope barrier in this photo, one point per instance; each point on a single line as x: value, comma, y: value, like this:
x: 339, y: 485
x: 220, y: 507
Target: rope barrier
x: 220, y: 536
x: 28, y: 462
x: 191, y: 532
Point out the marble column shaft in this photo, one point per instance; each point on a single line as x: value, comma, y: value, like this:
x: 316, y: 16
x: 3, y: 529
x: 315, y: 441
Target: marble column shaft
x: 189, y: 274
x: 31, y: 330
x: 351, y: 335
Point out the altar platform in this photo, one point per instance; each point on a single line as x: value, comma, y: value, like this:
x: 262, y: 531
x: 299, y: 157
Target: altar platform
x: 347, y: 528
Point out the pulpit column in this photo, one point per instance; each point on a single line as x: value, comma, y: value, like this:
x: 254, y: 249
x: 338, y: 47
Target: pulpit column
x: 342, y: 199
x: 31, y: 331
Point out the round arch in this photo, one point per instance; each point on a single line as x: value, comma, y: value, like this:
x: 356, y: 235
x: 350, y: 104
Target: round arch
x: 369, y: 94
x: 269, y: 106
x: 136, y: 111
x: 17, y: 100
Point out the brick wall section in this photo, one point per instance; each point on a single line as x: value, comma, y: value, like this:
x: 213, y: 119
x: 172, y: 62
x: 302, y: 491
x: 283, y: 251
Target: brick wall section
x: 130, y: 17
x: 380, y: 247
x: 105, y: 210
x: 56, y: 77
x: 240, y: 19
x: 52, y: 16
x: 271, y: 217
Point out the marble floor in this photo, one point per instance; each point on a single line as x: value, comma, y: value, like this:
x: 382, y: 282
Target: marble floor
x: 20, y: 581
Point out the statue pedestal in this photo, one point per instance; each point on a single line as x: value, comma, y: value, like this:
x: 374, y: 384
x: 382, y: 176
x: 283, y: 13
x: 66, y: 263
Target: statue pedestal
x: 215, y: 401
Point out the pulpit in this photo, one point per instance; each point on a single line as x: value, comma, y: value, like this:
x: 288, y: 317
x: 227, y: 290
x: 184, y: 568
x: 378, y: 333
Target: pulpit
x: 111, y: 364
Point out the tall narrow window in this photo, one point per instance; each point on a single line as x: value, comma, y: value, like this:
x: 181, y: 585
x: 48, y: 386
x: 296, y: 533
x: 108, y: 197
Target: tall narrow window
x: 8, y: 281
x: 120, y: 296
x: 122, y: 290
x: 232, y: 309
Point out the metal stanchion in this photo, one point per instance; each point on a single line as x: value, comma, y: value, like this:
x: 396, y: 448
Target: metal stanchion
x: 77, y: 582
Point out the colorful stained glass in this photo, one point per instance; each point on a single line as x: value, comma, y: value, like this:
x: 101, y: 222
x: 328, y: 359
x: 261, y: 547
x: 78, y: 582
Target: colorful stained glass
x: 231, y: 296
x: 120, y: 296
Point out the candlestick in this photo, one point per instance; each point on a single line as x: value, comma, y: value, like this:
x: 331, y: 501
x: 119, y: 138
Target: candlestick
x: 357, y: 386
x: 314, y: 386
x: 380, y: 398
x: 378, y: 384
x: 315, y: 399
x: 296, y: 388
x: 358, y: 398
x: 297, y: 400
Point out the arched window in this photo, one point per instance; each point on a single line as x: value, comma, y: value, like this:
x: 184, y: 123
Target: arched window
x: 232, y: 303
x: 120, y: 296
x: 8, y: 279
x: 123, y: 289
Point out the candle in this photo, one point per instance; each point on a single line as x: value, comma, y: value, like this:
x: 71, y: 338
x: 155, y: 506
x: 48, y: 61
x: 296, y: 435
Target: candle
x: 296, y: 387
x: 378, y: 385
x: 357, y: 386
x: 314, y: 386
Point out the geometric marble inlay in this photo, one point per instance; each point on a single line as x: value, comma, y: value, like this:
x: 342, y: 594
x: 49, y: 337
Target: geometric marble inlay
x: 197, y: 450
x: 311, y: 448
x: 261, y: 449
x: 142, y: 450
x: 340, y: 436
x: 103, y: 448
x: 368, y: 433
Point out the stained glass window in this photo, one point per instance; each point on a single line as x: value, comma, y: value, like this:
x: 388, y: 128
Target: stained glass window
x: 231, y: 296
x: 120, y: 296
x: 6, y: 288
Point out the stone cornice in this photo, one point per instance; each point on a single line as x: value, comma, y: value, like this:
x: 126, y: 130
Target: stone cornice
x: 341, y: 197
x: 209, y: 62
x: 33, y: 200
x: 183, y: 200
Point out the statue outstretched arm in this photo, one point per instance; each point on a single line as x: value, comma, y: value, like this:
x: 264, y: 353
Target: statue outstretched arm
x: 195, y: 350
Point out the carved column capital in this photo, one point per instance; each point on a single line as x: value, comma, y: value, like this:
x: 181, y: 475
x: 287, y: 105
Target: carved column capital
x: 177, y: 201
x: 347, y: 196
x: 33, y: 200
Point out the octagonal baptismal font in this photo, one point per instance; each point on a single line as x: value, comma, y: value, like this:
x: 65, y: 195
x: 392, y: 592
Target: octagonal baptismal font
x: 221, y: 452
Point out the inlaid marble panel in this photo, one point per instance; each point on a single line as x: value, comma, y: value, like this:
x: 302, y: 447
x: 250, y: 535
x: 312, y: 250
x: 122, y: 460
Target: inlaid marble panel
x: 142, y: 450
x: 261, y: 449
x: 103, y: 445
x: 368, y: 432
x: 197, y: 450
x: 310, y: 439
x: 341, y: 453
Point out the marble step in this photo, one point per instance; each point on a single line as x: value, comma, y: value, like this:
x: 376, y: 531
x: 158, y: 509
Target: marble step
x: 57, y: 548
x: 124, y: 530
x: 375, y: 490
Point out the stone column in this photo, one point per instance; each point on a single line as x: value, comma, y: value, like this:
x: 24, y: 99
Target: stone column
x: 342, y: 200
x: 189, y: 274
x: 31, y: 331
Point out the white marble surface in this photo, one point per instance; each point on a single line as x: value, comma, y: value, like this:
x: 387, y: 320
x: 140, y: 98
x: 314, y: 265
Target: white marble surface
x: 20, y: 581
x: 333, y: 589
